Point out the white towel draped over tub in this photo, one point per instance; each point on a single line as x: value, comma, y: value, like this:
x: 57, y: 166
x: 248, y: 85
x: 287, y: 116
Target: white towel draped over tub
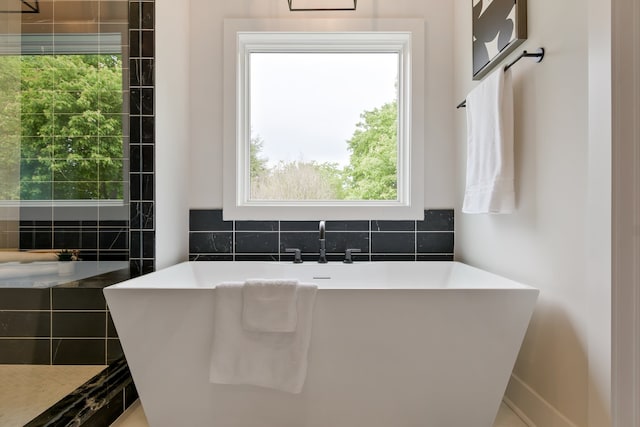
x: 242, y: 355
x: 490, y: 175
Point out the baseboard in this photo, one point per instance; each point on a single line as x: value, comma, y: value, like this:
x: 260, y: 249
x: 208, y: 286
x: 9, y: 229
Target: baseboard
x: 531, y: 407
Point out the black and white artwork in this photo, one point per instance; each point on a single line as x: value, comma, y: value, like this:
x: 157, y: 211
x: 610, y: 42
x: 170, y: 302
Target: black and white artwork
x: 499, y: 26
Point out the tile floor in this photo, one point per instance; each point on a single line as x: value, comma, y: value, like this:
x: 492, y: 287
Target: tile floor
x: 134, y: 417
x: 28, y: 390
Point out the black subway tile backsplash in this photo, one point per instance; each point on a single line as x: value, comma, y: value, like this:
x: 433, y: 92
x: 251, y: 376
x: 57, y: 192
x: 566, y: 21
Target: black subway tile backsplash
x: 437, y: 220
x: 210, y: 242
x: 208, y: 220
x: 340, y: 242
x: 435, y: 242
x: 303, y: 240
x: 393, y: 242
x: 393, y: 225
x: 212, y: 239
x: 347, y: 225
x: 255, y: 242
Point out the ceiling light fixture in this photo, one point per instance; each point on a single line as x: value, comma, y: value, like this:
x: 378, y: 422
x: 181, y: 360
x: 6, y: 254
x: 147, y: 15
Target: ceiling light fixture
x: 321, y: 5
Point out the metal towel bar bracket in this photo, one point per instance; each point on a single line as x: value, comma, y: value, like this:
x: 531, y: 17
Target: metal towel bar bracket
x: 539, y: 54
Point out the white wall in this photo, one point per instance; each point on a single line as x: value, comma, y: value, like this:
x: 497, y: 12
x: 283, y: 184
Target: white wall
x: 206, y: 87
x: 172, y: 132
x: 558, y: 239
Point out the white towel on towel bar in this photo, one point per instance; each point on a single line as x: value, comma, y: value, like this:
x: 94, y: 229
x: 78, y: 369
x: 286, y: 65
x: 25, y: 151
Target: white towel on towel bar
x: 490, y: 171
x: 269, y: 305
x: 275, y: 360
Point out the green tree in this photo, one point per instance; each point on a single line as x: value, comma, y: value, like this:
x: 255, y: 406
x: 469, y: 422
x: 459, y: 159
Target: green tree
x: 372, y: 173
x: 9, y: 128
x: 257, y: 163
x: 71, y: 109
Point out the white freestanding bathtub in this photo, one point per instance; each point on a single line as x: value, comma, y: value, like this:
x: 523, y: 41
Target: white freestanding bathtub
x: 393, y: 344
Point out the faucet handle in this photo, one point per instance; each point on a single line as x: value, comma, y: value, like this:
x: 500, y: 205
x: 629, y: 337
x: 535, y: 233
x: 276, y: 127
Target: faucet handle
x: 297, y: 257
x: 347, y: 255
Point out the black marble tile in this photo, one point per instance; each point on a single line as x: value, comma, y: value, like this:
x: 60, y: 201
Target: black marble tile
x: 78, y: 351
x: 147, y: 44
x: 437, y: 220
x: 135, y: 163
x: 200, y: 257
x: 25, y: 299
x: 148, y: 188
x: 107, y: 413
x: 208, y: 220
x: 394, y: 242
x: 147, y: 215
x: 393, y: 225
x: 78, y: 408
x: 135, y: 244
x: 148, y: 244
x: 147, y: 15
x: 135, y: 98
x: 134, y: 14
x: 347, y: 226
x: 256, y: 242
x: 66, y: 239
x: 25, y: 351
x: 434, y: 257
x: 88, y: 239
x: 257, y: 226
x: 111, y: 327
x: 393, y: 257
x: 135, y: 72
x: 135, y: 129
x: 85, y: 299
x: 25, y: 324
x: 305, y: 241
x: 210, y: 242
x: 148, y: 266
x: 147, y: 156
x: 135, y: 267
x: 340, y: 242
x: 299, y: 225
x: 116, y: 240
x: 78, y: 324
x: 148, y: 129
x: 114, y: 350
x: 135, y: 188
x: 130, y: 394
x: 435, y: 242
x: 256, y: 257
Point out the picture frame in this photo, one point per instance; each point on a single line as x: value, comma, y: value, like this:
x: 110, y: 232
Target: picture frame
x: 498, y: 27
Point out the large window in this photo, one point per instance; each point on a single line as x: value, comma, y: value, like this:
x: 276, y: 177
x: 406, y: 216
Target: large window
x: 324, y: 122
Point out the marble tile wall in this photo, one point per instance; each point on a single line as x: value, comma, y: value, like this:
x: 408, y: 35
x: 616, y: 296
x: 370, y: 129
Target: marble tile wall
x: 212, y: 239
x: 64, y: 325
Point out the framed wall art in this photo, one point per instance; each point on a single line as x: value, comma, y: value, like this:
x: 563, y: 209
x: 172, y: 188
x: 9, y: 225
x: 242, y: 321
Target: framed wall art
x: 499, y: 26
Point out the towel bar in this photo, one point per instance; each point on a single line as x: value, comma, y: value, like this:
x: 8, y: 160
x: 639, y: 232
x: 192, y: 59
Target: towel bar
x: 539, y: 55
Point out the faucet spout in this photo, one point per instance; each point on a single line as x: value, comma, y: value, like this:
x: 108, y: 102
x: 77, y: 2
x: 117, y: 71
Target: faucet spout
x: 323, y: 249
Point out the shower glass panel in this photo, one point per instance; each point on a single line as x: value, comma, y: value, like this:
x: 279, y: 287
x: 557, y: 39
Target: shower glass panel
x: 64, y: 167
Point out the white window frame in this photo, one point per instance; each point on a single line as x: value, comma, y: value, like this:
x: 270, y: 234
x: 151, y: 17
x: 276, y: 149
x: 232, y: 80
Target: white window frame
x: 243, y: 37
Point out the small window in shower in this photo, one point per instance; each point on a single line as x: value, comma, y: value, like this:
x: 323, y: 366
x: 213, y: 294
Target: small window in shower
x: 62, y: 96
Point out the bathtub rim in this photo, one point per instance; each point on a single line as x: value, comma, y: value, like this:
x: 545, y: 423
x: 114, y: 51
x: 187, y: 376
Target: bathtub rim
x: 459, y: 276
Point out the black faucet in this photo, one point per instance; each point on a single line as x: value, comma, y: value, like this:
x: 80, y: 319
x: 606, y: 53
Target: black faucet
x: 323, y: 249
